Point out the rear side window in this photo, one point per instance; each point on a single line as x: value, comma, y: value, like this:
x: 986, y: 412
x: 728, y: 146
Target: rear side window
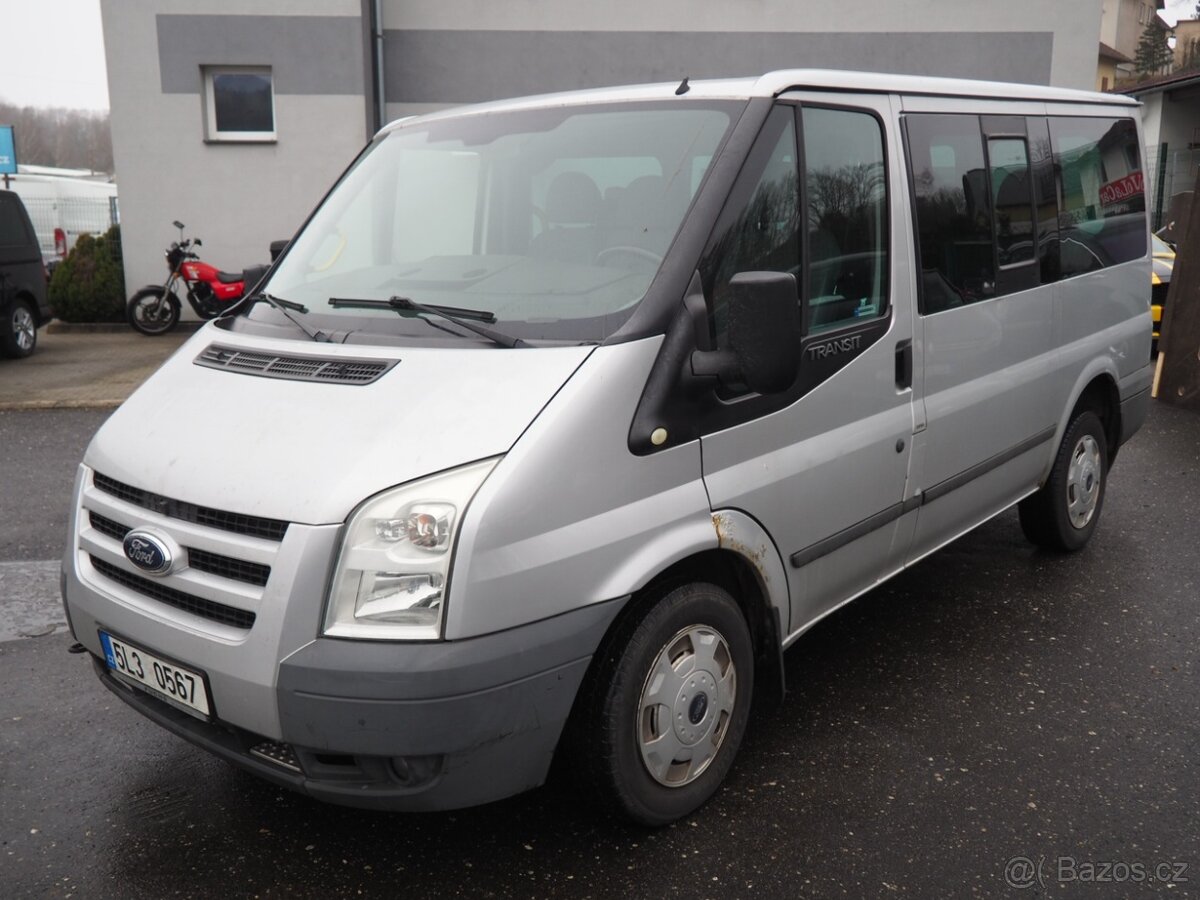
x: 13, y: 232
x: 846, y: 193
x: 1012, y: 200
x: 952, y: 189
x: 1103, y: 200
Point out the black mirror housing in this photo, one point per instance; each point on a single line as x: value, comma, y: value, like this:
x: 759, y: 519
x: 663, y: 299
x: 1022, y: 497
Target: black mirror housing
x: 764, y: 329
x: 251, y: 277
x: 278, y: 247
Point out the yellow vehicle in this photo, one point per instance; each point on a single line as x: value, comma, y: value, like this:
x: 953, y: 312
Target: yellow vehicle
x: 1160, y: 282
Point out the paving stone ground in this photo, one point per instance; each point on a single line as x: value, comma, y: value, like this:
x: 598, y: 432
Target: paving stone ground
x: 83, y: 370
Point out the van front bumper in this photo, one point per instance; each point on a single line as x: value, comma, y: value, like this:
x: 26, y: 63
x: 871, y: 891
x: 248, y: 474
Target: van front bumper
x: 400, y: 726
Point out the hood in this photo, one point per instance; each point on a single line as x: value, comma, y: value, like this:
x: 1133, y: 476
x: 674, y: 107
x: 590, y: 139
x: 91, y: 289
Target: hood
x: 310, y: 452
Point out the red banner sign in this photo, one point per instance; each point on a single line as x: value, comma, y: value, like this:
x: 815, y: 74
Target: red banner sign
x: 1122, y: 189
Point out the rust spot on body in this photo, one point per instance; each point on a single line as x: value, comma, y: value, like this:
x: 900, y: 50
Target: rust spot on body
x: 727, y: 539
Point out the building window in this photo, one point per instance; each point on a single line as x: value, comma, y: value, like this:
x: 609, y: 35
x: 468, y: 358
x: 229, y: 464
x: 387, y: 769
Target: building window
x: 239, y: 103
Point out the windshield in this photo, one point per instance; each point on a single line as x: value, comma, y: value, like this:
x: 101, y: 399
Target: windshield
x: 553, y: 220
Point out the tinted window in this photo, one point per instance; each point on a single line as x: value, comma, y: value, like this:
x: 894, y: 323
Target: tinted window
x: 954, y: 229
x: 1103, y: 201
x: 1011, y: 200
x: 12, y: 224
x: 846, y: 193
x: 759, y: 228
x: 1045, y: 192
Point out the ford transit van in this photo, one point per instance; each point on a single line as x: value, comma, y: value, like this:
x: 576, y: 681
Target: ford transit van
x: 561, y: 418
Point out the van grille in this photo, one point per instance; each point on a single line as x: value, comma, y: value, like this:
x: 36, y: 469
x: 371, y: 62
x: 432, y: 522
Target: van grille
x: 104, y: 525
x: 203, y: 560
x: 254, y: 526
x: 296, y: 368
x: 197, y: 606
x: 228, y: 567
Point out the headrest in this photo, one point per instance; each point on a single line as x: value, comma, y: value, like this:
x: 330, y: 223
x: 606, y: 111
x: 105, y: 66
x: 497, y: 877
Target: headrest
x: 642, y: 204
x: 573, y: 199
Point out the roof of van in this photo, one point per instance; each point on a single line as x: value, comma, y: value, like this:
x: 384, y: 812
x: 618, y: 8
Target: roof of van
x: 774, y: 83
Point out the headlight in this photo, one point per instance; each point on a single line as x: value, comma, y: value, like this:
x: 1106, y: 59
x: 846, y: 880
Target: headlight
x: 390, y: 580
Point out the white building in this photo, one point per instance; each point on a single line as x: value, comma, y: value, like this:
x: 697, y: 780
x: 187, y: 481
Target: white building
x: 235, y: 117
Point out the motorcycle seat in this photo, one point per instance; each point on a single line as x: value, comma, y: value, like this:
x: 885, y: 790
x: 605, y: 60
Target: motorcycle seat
x: 229, y: 277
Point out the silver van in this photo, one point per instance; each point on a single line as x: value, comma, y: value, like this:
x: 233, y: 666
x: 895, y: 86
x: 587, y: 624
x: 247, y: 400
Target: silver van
x: 561, y: 418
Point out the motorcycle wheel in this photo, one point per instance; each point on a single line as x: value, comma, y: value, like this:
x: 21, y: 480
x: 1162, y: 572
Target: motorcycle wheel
x: 150, y: 314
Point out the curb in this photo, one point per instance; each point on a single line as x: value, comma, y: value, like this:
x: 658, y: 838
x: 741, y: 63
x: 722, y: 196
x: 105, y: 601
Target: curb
x: 57, y: 326
x: 25, y: 405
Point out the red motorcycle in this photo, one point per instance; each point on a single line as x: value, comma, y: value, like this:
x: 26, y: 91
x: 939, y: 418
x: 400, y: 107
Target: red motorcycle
x: 155, y: 308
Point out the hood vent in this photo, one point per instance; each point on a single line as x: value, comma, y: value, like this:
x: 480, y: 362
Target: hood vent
x: 328, y: 370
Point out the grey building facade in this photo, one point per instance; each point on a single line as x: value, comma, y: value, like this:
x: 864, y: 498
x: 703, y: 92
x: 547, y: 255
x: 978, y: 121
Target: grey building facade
x: 236, y: 115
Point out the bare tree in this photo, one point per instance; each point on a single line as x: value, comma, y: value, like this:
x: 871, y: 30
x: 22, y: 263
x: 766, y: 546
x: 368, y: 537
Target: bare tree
x: 65, y: 138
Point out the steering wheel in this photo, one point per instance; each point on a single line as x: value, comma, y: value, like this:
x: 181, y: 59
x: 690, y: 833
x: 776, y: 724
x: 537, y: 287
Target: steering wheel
x: 640, y: 252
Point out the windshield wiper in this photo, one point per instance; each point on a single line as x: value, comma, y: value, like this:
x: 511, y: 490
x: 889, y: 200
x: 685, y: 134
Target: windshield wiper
x: 283, y: 306
x: 460, y: 317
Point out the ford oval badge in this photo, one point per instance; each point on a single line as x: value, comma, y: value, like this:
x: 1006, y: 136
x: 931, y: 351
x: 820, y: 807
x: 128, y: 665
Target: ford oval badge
x: 148, y: 552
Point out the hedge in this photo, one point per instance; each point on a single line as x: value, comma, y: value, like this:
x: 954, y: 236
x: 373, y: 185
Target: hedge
x: 89, y: 285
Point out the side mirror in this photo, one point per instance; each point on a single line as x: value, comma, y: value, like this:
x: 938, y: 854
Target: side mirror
x: 251, y: 278
x: 764, y: 334
x: 278, y: 247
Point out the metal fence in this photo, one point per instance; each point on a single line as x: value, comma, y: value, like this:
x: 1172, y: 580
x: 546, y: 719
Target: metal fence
x: 74, y: 215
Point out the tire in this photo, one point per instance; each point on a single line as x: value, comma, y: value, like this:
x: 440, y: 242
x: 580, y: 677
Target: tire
x: 619, y: 733
x: 18, y: 330
x: 140, y: 314
x: 1064, y: 513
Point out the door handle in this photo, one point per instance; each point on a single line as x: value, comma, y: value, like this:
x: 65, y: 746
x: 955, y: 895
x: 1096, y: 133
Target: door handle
x: 904, y: 365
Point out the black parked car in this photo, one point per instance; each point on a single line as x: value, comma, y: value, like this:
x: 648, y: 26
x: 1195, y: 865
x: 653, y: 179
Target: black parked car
x: 23, y: 307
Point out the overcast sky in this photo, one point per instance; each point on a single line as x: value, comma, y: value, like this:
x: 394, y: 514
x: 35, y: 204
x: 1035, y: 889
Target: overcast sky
x: 53, y: 51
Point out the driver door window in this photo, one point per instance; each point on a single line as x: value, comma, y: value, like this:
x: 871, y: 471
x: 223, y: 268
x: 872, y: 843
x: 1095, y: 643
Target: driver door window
x: 845, y: 185
x: 759, y: 229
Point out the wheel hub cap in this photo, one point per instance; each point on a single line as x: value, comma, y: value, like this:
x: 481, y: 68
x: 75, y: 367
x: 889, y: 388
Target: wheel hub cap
x: 1083, y: 481
x: 23, y: 328
x: 685, y: 706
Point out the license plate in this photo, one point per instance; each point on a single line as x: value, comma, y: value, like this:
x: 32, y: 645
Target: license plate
x: 172, y: 682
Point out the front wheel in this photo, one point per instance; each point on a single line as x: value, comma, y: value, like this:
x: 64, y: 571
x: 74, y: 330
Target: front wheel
x: 665, y: 708
x: 152, y: 313
x: 1064, y: 513
x: 18, y: 331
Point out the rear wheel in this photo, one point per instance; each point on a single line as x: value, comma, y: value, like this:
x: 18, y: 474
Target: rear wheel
x: 18, y: 330
x: 1064, y: 513
x: 664, y: 711
x: 150, y: 313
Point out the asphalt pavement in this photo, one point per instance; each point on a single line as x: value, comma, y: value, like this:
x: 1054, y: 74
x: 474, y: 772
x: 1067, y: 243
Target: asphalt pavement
x: 994, y: 703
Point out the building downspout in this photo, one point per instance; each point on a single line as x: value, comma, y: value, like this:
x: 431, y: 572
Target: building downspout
x: 377, y: 33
